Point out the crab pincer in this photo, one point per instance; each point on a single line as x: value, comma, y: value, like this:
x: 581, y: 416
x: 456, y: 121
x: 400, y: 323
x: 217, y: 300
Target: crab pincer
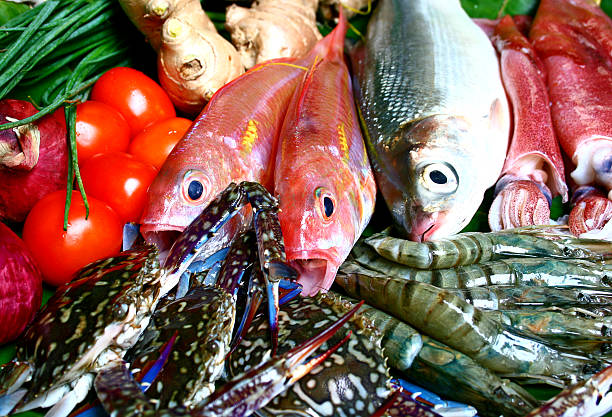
x: 121, y: 395
x: 269, y: 238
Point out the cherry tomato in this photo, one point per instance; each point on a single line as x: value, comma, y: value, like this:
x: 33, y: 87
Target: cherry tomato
x: 155, y: 142
x: 59, y: 253
x: 120, y: 180
x: 140, y: 99
x: 100, y: 129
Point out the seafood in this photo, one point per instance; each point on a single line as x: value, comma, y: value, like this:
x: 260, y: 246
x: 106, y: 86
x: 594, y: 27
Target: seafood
x: 533, y: 172
x: 201, y: 324
x: 443, y: 369
x: 101, y: 314
x: 353, y: 381
x: 323, y: 178
x: 475, y: 247
x: 121, y: 395
x: 434, y: 107
x: 584, y: 334
x: 573, y: 39
x: 586, y: 398
x: 402, y: 404
x: 234, y: 139
x: 590, y: 213
x: 510, y: 271
x: 446, y: 317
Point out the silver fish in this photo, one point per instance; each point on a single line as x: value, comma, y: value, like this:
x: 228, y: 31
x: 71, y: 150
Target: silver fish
x: 435, y: 111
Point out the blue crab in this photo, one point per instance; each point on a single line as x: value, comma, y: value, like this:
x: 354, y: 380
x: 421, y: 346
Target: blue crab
x: 92, y: 321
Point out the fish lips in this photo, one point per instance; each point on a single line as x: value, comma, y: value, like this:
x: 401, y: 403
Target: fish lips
x: 161, y: 235
x: 317, y: 268
x: 421, y: 225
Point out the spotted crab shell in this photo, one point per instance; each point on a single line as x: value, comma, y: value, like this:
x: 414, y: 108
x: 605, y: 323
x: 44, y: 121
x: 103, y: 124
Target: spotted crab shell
x: 352, y: 381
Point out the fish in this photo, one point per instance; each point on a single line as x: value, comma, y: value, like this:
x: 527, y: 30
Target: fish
x: 230, y: 141
x: 322, y: 178
x: 434, y: 111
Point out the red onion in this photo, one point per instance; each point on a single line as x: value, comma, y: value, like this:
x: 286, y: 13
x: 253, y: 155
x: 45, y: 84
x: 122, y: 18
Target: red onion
x: 20, y: 285
x: 33, y: 160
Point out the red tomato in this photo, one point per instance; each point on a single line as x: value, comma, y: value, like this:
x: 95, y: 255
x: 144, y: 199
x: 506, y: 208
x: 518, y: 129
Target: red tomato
x: 140, y: 99
x: 60, y: 253
x: 120, y: 180
x: 155, y: 142
x: 100, y: 129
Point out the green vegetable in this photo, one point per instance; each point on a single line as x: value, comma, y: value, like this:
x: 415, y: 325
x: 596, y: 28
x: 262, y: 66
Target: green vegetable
x: 9, y: 9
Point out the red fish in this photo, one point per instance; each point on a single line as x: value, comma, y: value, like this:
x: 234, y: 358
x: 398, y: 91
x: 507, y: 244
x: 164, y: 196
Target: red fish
x: 232, y: 140
x: 533, y: 172
x: 323, y: 178
x: 574, y: 39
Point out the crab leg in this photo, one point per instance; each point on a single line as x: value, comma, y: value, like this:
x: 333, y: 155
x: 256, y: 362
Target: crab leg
x: 269, y: 239
x: 402, y: 404
x: 587, y: 398
x: 121, y: 395
x: 574, y: 39
x: 533, y: 171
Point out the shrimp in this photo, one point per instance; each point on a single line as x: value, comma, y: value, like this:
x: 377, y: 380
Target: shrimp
x: 476, y: 247
x: 451, y: 320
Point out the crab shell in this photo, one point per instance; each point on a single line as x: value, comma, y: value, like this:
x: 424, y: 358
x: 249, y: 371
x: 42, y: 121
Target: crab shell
x: 86, y: 323
x: 352, y: 381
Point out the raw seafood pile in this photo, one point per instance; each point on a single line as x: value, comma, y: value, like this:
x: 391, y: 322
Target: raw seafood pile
x: 296, y: 133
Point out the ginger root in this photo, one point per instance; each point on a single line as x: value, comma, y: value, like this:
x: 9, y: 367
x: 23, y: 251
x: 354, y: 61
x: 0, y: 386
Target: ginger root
x: 194, y: 61
x: 273, y: 29
x: 330, y: 8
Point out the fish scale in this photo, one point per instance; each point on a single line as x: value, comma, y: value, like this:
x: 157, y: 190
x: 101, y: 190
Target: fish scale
x: 432, y: 103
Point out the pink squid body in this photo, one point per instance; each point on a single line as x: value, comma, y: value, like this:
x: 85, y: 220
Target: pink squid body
x: 323, y: 179
x: 574, y: 39
x: 533, y: 171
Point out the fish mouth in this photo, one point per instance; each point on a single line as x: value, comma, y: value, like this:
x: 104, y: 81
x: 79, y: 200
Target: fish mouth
x: 317, y: 271
x: 162, y: 236
x: 422, y: 226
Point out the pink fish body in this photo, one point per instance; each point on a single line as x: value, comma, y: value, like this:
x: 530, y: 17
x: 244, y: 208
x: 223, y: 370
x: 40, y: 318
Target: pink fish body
x: 323, y: 178
x: 232, y: 140
x: 533, y: 172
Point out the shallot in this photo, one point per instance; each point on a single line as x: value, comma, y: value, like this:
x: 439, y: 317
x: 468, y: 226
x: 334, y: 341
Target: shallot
x: 20, y: 285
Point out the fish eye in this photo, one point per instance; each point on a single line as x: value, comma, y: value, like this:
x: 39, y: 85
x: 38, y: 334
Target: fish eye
x: 439, y: 178
x: 194, y: 187
x: 326, y: 203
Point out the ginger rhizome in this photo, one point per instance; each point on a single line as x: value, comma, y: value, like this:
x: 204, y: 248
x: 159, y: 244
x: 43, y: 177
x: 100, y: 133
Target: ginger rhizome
x: 193, y: 59
x: 273, y: 29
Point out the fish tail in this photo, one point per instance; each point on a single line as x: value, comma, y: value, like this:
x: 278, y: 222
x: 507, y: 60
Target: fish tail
x: 332, y: 46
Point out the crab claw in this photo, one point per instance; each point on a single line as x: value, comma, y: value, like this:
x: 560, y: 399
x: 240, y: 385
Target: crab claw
x: 591, y: 214
x: 121, y: 395
x: 258, y: 386
x: 520, y: 203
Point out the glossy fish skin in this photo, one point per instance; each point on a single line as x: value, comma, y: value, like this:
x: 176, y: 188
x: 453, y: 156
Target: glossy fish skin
x: 232, y: 140
x: 435, y: 110
x: 323, y: 178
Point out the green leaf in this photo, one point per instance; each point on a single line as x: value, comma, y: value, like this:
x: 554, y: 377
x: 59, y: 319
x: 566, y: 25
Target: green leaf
x: 515, y: 7
x: 492, y: 9
x: 482, y: 8
x: 9, y: 9
x: 606, y: 5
